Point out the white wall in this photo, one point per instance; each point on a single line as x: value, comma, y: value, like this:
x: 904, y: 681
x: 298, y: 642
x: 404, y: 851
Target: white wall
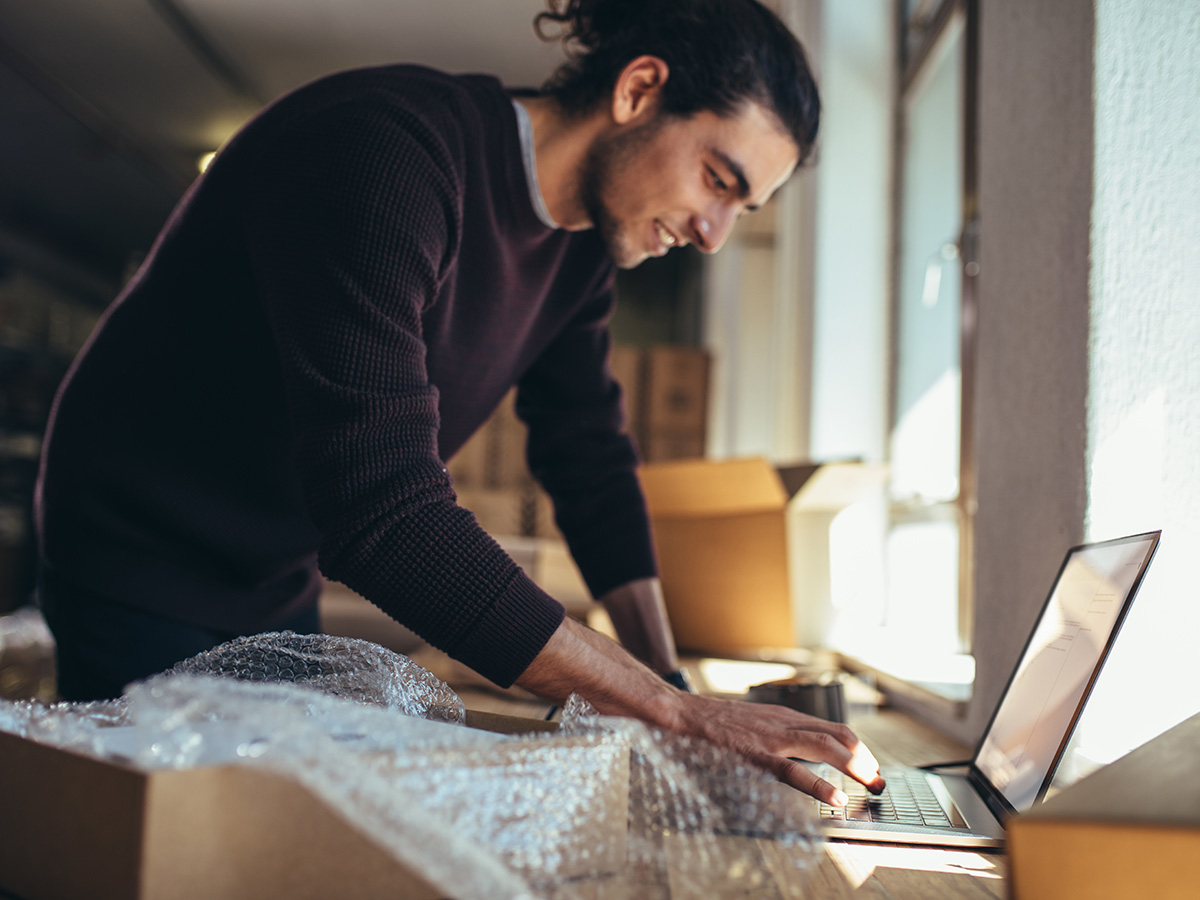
x: 1144, y: 394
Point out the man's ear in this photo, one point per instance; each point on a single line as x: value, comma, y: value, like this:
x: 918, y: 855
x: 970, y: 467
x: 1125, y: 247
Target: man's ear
x: 638, y: 90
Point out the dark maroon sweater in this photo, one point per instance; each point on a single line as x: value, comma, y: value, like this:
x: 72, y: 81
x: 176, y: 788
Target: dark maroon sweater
x: 329, y: 313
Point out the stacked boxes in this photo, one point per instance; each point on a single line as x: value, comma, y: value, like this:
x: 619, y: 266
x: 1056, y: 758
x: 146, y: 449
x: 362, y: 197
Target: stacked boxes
x: 492, y: 479
x: 666, y: 405
x: 625, y: 363
x: 666, y: 399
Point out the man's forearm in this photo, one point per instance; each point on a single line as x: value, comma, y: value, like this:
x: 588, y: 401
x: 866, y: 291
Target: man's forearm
x: 639, y: 616
x: 578, y: 660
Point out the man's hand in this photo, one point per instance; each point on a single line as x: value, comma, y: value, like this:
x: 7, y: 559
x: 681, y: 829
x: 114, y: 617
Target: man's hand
x: 775, y: 737
x: 577, y: 659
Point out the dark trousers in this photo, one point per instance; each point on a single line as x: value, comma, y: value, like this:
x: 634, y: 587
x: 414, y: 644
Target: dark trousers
x: 101, y: 646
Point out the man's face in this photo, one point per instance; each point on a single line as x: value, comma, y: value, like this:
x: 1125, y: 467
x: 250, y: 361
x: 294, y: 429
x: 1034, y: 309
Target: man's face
x: 667, y: 182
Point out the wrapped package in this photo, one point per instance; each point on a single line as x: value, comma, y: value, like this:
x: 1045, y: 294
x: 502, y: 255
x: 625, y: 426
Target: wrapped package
x: 603, y: 807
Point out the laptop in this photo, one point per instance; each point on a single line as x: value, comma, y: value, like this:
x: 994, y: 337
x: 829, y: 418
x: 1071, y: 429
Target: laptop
x: 1030, y: 727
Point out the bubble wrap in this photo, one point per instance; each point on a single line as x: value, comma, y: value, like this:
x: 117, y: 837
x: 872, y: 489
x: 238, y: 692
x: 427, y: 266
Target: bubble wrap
x: 344, y: 667
x: 605, y: 807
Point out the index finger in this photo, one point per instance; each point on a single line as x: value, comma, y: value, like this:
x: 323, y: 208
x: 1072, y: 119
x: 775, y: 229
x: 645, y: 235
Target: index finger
x: 841, y: 748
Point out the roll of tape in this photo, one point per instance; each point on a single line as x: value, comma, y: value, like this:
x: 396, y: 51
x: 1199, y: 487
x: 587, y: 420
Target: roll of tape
x: 821, y: 695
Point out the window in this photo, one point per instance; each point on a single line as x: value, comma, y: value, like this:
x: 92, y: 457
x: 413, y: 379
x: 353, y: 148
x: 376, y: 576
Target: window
x: 918, y: 625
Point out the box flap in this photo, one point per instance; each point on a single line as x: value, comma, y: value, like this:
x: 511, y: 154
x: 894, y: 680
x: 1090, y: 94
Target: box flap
x: 1156, y: 784
x: 795, y: 476
x: 502, y: 724
x: 834, y: 486
x: 57, y: 805
x: 692, y: 488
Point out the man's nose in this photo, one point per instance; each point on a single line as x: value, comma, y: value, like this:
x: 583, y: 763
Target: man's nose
x: 712, y: 229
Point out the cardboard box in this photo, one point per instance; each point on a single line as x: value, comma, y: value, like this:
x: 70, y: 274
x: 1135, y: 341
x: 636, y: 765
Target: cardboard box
x: 494, y: 457
x: 508, y: 435
x: 509, y: 468
x: 542, y: 512
x: 348, y: 614
x: 675, y: 397
x: 727, y: 533
x: 625, y: 364
x: 79, y: 827
x: 548, y: 562
x: 72, y: 826
x: 722, y: 550
x: 819, y: 494
x: 559, y: 577
x: 469, y: 467
x: 666, y: 446
x: 1130, y: 829
x: 500, y: 511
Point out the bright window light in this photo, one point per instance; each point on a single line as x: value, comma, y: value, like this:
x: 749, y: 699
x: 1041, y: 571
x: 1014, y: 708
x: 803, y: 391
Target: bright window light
x: 925, y: 443
x: 730, y: 676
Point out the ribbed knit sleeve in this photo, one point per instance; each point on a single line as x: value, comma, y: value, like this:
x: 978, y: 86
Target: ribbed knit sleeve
x: 579, y: 450
x: 352, y: 216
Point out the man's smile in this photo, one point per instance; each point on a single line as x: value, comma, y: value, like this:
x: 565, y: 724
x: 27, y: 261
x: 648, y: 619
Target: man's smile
x: 665, y: 238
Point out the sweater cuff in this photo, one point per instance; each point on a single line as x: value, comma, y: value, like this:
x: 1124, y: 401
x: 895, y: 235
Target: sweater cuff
x: 511, y: 632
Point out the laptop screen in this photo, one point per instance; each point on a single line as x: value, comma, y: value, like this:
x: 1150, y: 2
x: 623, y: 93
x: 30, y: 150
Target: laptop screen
x: 1060, y: 662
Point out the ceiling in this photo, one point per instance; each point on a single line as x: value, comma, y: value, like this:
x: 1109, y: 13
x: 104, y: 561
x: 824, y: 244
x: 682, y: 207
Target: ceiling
x: 106, y: 105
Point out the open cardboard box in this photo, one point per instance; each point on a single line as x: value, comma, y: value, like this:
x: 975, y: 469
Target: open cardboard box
x: 1130, y: 829
x: 722, y: 533
x: 72, y: 826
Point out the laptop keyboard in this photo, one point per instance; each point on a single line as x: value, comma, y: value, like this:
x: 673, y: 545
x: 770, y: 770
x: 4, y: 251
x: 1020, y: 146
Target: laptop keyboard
x: 907, y: 800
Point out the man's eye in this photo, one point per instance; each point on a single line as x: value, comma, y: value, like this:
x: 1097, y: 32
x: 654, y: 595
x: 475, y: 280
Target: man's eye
x: 717, y: 182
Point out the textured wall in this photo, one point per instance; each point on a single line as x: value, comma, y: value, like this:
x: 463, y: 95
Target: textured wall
x: 1144, y: 398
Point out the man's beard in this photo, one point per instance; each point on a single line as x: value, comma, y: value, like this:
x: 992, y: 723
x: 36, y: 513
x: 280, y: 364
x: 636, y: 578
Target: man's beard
x: 606, y: 158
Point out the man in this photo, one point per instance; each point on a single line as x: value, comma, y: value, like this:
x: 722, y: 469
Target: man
x: 342, y: 300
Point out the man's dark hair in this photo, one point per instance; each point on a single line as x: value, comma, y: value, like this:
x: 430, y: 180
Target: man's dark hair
x: 721, y: 54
